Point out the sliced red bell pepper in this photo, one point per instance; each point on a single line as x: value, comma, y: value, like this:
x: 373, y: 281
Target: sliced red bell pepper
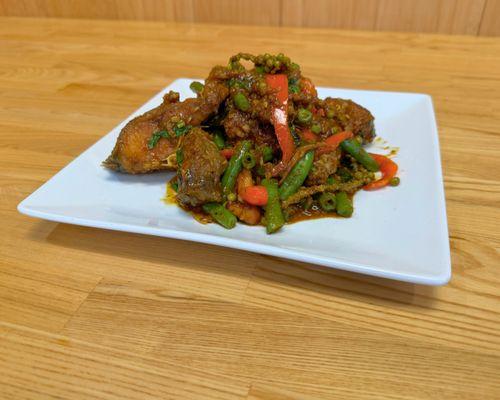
x: 279, y: 117
x: 227, y: 153
x: 255, y: 195
x: 388, y: 168
x: 332, y: 142
x: 309, y: 136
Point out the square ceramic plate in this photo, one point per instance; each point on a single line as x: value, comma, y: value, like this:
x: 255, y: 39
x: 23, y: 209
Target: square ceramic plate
x: 399, y: 233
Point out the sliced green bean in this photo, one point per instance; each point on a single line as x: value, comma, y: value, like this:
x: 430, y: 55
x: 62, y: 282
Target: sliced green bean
x: 241, y: 101
x: 219, y: 140
x: 352, y: 147
x: 297, y: 176
x: 248, y: 160
x: 196, y: 87
x: 304, y: 116
x: 344, y: 205
x: 327, y: 201
x: 267, y: 153
x: 220, y: 214
x: 234, y: 166
x: 273, y: 215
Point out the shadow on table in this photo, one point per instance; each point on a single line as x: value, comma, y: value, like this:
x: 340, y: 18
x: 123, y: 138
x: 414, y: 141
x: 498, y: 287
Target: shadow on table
x: 264, y: 271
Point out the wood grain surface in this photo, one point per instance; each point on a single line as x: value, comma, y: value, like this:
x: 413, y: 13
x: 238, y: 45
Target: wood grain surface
x: 471, y: 17
x: 94, y: 314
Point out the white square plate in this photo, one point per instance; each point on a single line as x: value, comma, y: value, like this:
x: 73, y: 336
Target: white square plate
x: 399, y: 233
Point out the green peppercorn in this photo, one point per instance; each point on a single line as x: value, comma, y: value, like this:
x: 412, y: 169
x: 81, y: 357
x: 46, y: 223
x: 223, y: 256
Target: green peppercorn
x: 395, y: 181
x: 304, y: 116
x: 241, y: 101
x: 316, y: 128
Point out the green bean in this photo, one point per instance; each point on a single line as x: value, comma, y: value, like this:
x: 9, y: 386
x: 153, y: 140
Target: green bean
x: 220, y: 214
x: 219, y: 140
x: 352, y: 147
x: 395, y: 181
x: 344, y: 205
x: 327, y: 201
x: 248, y: 160
x: 241, y: 101
x: 316, y: 128
x: 273, y: 215
x: 304, y: 116
x: 234, y: 167
x: 196, y: 87
x: 267, y: 154
x: 297, y: 176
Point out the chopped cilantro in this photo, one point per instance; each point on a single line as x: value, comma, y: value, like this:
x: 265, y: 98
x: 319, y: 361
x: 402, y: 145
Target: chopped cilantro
x: 181, y: 129
x: 179, y: 155
x: 155, y: 137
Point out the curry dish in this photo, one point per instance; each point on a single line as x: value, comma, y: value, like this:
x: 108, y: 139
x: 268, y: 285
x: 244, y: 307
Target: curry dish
x: 257, y: 145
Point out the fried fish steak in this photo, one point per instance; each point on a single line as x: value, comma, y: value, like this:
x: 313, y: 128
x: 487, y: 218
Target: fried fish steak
x: 131, y: 153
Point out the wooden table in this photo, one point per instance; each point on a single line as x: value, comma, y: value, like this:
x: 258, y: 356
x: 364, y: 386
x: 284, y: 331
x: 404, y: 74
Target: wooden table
x: 94, y: 314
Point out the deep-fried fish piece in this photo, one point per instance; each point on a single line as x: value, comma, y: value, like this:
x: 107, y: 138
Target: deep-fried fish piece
x: 200, y: 170
x: 131, y: 153
x: 352, y: 117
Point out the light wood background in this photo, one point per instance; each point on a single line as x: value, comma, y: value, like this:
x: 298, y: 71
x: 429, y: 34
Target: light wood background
x: 94, y: 314
x: 470, y: 17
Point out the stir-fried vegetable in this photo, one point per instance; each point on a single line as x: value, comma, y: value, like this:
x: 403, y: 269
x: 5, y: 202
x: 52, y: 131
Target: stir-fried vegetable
x: 279, y: 116
x: 304, y: 116
x: 255, y: 195
x: 196, y: 87
x: 234, y: 166
x: 389, y: 170
x: 344, y: 204
x: 297, y: 176
x: 332, y: 142
x: 327, y: 201
x: 267, y: 154
x: 248, y: 160
x: 241, y: 101
x: 219, y: 140
x: 220, y: 214
x: 354, y: 148
x: 274, y: 214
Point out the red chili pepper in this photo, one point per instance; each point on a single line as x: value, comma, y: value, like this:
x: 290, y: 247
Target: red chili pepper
x: 309, y: 136
x: 227, y: 153
x: 255, y: 195
x: 279, y: 116
x: 332, y: 142
x: 388, y: 168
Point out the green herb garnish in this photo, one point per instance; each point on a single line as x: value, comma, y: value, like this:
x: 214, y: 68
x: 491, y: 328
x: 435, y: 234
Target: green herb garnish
x: 155, y: 137
x: 240, y: 83
x: 181, y: 129
x: 179, y: 155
